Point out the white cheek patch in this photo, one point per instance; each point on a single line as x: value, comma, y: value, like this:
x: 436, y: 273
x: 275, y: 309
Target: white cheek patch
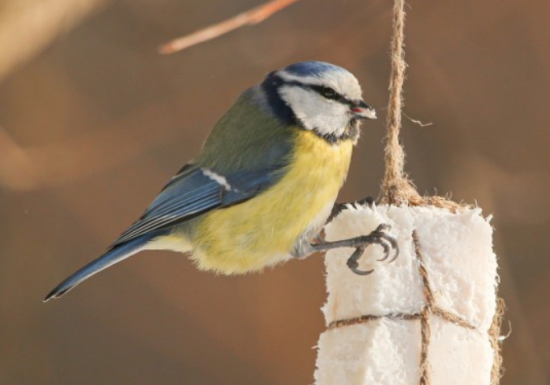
x: 315, y: 112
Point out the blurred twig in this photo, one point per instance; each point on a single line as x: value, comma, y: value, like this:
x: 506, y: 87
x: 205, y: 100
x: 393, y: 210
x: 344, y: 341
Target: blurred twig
x: 28, y: 26
x: 16, y: 171
x: 25, y: 168
x: 253, y: 16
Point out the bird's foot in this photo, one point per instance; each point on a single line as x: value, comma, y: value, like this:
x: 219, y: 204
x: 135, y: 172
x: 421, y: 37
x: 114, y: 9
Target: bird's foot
x: 379, y: 237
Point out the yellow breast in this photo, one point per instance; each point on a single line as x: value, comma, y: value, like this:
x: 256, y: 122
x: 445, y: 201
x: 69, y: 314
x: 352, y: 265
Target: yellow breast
x: 263, y: 230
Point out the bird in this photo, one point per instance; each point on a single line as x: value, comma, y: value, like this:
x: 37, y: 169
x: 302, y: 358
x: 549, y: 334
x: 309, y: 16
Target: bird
x: 264, y: 184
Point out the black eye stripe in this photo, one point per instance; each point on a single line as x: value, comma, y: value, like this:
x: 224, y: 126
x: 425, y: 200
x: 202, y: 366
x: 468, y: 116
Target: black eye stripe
x: 319, y: 89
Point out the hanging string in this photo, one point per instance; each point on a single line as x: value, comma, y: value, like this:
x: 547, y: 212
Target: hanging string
x: 396, y: 187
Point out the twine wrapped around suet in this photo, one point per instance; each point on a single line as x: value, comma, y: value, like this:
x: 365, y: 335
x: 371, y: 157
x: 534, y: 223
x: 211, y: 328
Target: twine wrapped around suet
x: 432, y: 317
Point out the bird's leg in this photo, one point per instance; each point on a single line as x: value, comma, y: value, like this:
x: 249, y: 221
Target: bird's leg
x: 378, y: 236
x: 339, y: 207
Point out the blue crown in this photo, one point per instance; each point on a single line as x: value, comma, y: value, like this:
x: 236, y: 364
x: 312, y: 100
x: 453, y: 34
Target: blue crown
x: 315, y: 68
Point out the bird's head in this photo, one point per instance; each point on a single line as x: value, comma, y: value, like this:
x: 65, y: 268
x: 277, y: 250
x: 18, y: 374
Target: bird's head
x: 318, y: 96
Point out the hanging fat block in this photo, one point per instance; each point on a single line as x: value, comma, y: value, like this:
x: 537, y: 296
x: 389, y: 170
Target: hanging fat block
x: 424, y: 317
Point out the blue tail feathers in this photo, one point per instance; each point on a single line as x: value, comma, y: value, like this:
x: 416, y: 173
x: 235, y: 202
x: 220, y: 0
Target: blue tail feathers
x: 111, y: 257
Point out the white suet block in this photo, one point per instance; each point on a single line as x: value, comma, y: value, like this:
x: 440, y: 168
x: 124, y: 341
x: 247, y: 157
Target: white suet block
x: 462, y: 270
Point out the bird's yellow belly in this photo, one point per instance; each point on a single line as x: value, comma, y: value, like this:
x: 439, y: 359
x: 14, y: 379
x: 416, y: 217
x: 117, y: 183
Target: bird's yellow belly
x: 264, y: 230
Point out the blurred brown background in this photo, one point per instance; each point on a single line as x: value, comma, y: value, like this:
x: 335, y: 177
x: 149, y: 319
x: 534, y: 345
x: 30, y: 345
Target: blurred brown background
x: 93, y: 122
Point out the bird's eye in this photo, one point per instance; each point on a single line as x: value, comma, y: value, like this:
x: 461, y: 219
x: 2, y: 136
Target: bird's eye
x: 329, y: 93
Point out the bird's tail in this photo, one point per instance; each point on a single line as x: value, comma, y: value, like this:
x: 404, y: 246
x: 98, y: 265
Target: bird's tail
x: 115, y: 255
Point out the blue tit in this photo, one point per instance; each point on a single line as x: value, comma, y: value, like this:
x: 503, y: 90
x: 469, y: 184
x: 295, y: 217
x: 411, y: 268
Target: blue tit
x: 265, y: 182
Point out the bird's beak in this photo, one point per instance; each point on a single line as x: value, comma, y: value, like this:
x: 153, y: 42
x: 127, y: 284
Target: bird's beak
x: 362, y: 110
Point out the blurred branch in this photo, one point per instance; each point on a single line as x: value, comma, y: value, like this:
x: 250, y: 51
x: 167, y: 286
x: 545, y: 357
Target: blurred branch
x: 28, y: 168
x: 16, y: 171
x: 29, y: 26
x: 253, y: 16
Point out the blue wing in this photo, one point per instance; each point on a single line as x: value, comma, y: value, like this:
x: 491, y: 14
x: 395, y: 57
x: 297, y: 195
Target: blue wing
x: 195, y: 191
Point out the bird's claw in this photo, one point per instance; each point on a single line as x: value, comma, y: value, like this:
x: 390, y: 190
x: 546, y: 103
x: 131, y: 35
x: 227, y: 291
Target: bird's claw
x: 353, y: 263
x: 378, y: 236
